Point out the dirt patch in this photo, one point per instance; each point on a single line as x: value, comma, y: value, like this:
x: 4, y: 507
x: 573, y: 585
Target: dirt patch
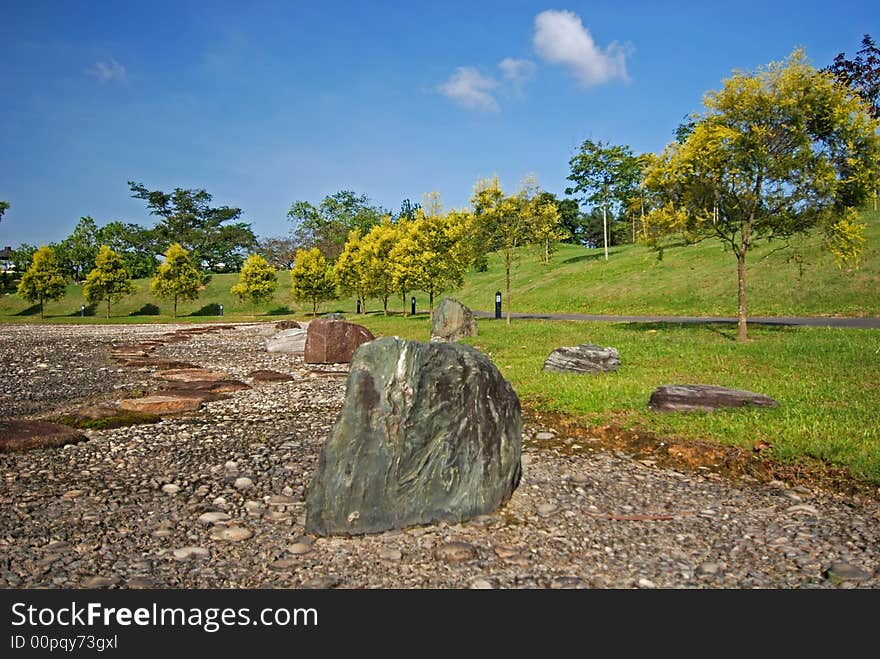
x: 701, y: 456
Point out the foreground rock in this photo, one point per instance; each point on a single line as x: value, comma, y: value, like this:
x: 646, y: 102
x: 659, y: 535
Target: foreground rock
x: 427, y: 432
x: 291, y: 341
x: 24, y: 435
x: 334, y: 341
x: 584, y: 358
x: 103, y: 417
x: 452, y: 321
x: 163, y: 403
x: 191, y: 375
x: 704, y: 398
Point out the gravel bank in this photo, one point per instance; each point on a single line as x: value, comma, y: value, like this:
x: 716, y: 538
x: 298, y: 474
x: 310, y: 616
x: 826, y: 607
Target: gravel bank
x: 214, y: 498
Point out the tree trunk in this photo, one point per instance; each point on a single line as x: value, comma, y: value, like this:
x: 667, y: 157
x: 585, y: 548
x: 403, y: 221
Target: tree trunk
x: 314, y: 308
x: 431, y: 304
x: 741, y: 330
x: 403, y: 297
x: 175, y: 306
x: 108, y: 307
x: 385, y: 304
x: 41, y: 309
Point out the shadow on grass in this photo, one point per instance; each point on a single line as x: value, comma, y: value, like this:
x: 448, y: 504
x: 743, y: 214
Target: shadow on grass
x: 279, y: 311
x: 147, y: 310
x: 212, y: 309
x: 32, y: 310
x: 590, y: 257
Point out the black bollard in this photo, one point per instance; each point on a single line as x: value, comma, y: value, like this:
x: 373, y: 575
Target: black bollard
x: 413, y: 306
x: 359, y: 306
x: 498, y: 305
x: 221, y: 309
x: 82, y: 310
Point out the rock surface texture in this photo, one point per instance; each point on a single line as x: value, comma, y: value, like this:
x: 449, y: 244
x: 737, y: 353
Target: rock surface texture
x: 334, y: 341
x: 452, y: 321
x: 704, y: 398
x: 427, y: 432
x: 291, y: 341
x: 24, y: 435
x: 584, y: 358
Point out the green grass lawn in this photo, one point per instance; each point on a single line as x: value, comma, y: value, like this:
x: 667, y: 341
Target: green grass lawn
x: 827, y: 381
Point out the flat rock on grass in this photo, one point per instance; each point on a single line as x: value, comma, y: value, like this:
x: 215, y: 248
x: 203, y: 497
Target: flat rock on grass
x: 163, y: 403
x: 704, y: 398
x: 104, y: 417
x: 584, y: 358
x: 24, y: 435
x: 207, y: 386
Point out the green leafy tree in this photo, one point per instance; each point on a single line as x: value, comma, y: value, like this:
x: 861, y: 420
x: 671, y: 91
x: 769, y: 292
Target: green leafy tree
x: 406, y: 271
x: 442, y: 253
x: 605, y: 175
x: 109, y: 280
x: 776, y: 153
x: 351, y: 271
x: 504, y: 223
x: 327, y: 226
x: 135, y: 244
x: 378, y: 268
x: 211, y: 235
x: 256, y: 282
x: 43, y: 280
x: 76, y: 253
x: 177, y: 278
x: 546, y: 227
x: 22, y: 256
x: 313, y: 279
x: 4, y: 206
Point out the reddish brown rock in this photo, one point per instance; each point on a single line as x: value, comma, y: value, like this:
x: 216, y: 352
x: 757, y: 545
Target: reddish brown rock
x: 25, y: 435
x: 167, y: 403
x: 334, y: 341
x: 209, y: 386
x: 269, y: 376
x: 191, y: 375
x: 159, y: 363
x: 102, y: 417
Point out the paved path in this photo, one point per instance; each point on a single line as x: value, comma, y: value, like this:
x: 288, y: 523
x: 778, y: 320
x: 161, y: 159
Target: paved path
x: 814, y: 321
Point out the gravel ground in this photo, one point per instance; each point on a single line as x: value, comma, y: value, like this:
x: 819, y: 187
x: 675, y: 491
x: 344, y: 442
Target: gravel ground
x: 215, y: 498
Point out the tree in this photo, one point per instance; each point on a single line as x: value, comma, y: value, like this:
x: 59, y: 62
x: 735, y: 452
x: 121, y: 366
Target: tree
x: 42, y: 281
x: 605, y: 175
x: 351, y: 271
x: 404, y: 257
x: 177, y: 278
x: 135, y: 244
x: 109, y: 280
x: 256, y: 282
x: 313, y: 278
x: 442, y: 251
x: 504, y: 221
x: 76, y: 253
x: 546, y: 226
x: 4, y: 206
x: 188, y: 219
x: 22, y: 257
x: 279, y: 251
x: 861, y: 75
x: 775, y: 154
x: 407, y: 210
x: 378, y: 268
x: 327, y: 226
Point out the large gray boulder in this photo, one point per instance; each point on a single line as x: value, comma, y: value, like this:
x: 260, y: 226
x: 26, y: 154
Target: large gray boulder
x: 704, y: 398
x: 584, y: 358
x: 428, y: 432
x: 452, y: 321
x: 290, y: 340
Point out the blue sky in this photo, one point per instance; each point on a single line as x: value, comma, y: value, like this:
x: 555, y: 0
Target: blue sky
x: 265, y: 103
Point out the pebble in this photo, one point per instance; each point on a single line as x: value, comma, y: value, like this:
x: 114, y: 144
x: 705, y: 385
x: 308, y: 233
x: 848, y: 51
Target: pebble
x: 104, y: 506
x: 646, y: 583
x: 171, y: 488
x: 481, y: 584
x: 544, y: 436
x: 546, y: 509
x: 298, y: 548
x: 231, y: 533
x: 100, y: 582
x: 243, y: 483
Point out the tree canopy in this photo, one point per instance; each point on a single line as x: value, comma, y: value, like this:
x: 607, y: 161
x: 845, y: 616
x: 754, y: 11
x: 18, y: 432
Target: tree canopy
x: 42, y: 281
x: 212, y: 236
x: 776, y: 153
x: 312, y: 278
x: 861, y: 74
x: 109, y: 280
x: 256, y: 282
x: 177, y: 278
x: 327, y: 226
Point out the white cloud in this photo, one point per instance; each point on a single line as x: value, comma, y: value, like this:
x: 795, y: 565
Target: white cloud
x: 111, y: 71
x: 471, y: 89
x: 561, y: 38
x: 518, y: 71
